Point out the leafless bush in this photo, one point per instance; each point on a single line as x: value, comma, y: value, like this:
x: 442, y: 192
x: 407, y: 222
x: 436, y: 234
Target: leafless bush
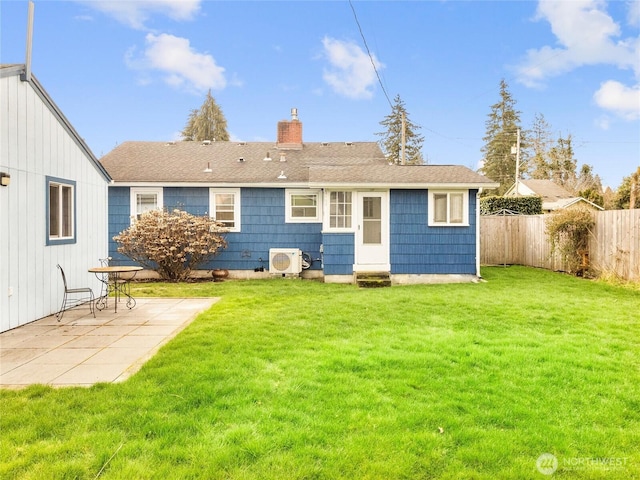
x: 171, y: 243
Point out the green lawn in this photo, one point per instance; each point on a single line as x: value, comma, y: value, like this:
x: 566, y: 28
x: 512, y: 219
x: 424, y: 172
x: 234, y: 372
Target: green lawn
x: 290, y: 379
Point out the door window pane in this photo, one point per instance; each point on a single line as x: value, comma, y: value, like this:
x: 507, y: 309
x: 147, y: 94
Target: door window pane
x: 372, y: 220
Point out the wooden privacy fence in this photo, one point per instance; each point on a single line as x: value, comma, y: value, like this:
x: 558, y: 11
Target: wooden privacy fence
x: 614, y: 245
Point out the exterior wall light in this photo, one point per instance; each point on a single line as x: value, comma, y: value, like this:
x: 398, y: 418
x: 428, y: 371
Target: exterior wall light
x: 5, y: 179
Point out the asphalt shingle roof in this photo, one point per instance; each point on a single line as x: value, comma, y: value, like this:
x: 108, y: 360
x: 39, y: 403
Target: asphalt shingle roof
x: 316, y: 164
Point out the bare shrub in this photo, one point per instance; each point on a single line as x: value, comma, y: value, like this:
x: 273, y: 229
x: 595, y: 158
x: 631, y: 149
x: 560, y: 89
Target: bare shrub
x: 171, y: 243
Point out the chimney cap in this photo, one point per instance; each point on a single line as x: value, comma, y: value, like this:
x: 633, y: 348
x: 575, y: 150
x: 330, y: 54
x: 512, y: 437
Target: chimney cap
x: 294, y: 113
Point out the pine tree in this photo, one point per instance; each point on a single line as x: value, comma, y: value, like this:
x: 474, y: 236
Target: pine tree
x: 562, y: 163
x: 499, y: 164
x: 207, y: 123
x: 628, y: 195
x: 391, y: 142
x: 540, y: 135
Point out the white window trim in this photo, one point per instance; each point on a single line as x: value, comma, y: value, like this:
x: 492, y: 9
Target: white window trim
x: 326, y: 224
x: 431, y: 207
x: 290, y: 218
x: 134, y: 191
x: 61, y: 239
x: 237, y: 214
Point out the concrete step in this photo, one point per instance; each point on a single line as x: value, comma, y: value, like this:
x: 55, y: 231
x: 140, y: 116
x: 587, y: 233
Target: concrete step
x: 373, y: 279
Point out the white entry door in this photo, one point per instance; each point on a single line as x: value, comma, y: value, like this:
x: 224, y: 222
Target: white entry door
x: 372, y: 234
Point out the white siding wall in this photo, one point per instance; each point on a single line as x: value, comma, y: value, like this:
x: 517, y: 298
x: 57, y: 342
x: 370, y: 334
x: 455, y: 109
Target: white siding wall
x: 34, y: 144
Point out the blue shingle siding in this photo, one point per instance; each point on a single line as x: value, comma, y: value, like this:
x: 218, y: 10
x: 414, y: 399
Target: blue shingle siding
x: 194, y: 200
x: 263, y: 227
x: 339, y: 253
x: 417, y: 248
x: 119, y: 220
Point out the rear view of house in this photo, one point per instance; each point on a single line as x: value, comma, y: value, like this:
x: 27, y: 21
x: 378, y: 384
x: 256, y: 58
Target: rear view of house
x: 341, y: 203
x: 53, y: 202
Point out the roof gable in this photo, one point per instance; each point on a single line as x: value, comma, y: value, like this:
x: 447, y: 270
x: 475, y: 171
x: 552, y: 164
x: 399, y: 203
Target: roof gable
x: 547, y: 189
x: 7, y: 70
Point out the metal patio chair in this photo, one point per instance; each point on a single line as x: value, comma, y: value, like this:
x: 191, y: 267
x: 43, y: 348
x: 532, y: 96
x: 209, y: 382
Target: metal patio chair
x: 81, y: 295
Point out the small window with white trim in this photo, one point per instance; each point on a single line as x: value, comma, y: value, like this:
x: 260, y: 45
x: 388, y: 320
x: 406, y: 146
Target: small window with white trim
x: 144, y: 200
x: 61, y: 211
x: 448, y: 208
x: 225, y: 207
x: 303, y: 206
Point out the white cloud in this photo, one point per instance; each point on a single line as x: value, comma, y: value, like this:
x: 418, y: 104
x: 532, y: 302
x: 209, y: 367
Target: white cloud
x: 135, y: 13
x: 633, y: 16
x: 587, y: 35
x: 603, y: 122
x: 350, y: 71
x: 620, y: 99
x: 181, y: 66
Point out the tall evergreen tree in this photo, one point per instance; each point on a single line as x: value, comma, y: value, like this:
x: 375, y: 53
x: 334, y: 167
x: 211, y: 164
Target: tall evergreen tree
x: 391, y: 141
x: 562, y: 163
x: 540, y: 137
x: 206, y: 123
x: 628, y: 195
x: 502, y: 124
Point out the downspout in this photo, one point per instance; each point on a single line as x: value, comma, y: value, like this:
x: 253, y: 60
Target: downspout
x: 478, y: 233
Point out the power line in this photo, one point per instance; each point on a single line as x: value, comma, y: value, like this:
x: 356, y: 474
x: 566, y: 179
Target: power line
x: 375, y: 69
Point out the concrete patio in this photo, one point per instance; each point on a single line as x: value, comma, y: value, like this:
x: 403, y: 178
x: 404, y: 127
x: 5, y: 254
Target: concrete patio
x: 81, y: 350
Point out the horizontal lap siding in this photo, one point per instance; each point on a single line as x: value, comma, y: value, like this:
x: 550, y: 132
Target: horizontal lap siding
x: 417, y: 248
x: 338, y: 256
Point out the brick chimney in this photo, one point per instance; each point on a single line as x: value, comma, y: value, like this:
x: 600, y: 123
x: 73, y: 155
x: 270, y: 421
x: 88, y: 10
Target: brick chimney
x: 290, y: 132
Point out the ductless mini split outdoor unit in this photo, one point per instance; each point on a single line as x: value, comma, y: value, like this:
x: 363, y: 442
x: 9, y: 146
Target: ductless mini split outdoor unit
x: 285, y: 261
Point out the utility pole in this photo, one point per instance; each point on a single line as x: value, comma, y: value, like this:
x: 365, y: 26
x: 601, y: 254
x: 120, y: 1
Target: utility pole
x: 518, y: 164
x: 403, y: 141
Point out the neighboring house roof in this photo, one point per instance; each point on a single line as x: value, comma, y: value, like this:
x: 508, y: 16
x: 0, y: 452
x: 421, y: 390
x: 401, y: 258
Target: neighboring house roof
x: 554, y: 197
x: 9, y: 70
x: 316, y: 164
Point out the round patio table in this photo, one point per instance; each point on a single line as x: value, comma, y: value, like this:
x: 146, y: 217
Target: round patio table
x: 113, y: 281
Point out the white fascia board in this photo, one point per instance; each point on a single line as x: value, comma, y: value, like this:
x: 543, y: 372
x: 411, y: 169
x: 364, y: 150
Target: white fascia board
x: 210, y: 184
x: 405, y: 186
x: 304, y: 185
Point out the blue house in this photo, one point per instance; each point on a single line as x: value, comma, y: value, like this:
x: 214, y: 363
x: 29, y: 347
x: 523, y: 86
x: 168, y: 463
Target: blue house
x: 322, y: 210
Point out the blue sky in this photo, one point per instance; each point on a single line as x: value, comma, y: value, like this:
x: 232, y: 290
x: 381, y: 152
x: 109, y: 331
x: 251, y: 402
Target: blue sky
x: 122, y: 70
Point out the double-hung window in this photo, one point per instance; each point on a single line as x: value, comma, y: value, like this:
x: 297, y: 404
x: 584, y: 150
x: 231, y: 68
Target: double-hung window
x: 448, y: 208
x: 225, y: 207
x: 61, y: 211
x: 303, y: 206
x: 144, y: 200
